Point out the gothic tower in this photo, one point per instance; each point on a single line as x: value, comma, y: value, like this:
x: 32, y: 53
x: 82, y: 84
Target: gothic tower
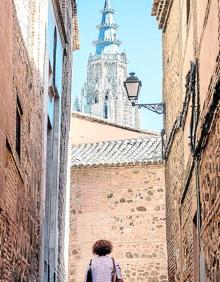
x: 103, y: 94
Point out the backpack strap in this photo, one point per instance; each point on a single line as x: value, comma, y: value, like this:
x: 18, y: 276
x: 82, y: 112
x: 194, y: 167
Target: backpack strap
x: 90, y: 263
x: 114, y: 267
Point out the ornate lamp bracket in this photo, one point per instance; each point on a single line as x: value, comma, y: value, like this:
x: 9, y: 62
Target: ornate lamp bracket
x: 158, y: 108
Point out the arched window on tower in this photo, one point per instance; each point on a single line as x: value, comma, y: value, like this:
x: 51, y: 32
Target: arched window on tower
x: 106, y: 106
x: 96, y: 100
x: 106, y: 111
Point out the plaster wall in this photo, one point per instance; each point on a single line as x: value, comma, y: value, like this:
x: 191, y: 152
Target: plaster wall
x: 89, y: 130
x: 208, y: 49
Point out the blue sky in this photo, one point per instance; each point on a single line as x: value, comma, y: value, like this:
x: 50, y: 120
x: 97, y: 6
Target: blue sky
x: 141, y: 41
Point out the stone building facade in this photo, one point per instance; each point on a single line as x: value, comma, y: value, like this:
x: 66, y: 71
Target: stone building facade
x: 25, y: 99
x: 191, y: 63
x: 103, y: 94
x: 118, y: 193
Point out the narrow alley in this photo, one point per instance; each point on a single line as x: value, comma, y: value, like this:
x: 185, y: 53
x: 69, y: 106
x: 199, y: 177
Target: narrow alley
x: 110, y: 141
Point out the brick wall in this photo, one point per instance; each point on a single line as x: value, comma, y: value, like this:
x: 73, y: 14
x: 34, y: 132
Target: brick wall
x: 20, y: 177
x: 174, y: 178
x: 210, y: 201
x: 172, y: 91
x: 192, y: 117
x: 127, y: 206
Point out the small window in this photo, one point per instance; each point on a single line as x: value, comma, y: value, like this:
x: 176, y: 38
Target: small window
x: 18, y: 128
x: 96, y: 99
x: 50, y: 74
x: 187, y: 10
x: 106, y: 106
x: 106, y: 111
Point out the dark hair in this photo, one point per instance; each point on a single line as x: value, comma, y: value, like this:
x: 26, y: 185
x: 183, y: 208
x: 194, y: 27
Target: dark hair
x: 102, y: 247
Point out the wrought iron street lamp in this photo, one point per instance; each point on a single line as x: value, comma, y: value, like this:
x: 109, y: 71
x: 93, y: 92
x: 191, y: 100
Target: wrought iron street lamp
x: 133, y: 86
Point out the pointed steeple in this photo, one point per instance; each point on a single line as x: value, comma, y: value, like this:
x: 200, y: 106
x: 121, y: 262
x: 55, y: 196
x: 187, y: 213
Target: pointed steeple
x: 107, y: 42
x: 107, y: 4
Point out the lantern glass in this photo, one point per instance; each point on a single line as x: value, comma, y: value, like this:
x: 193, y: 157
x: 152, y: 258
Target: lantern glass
x: 132, y: 86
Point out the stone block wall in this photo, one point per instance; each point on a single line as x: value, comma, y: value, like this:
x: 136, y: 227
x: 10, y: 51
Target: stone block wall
x: 210, y: 202
x: 126, y: 205
x: 191, y: 136
x: 20, y: 175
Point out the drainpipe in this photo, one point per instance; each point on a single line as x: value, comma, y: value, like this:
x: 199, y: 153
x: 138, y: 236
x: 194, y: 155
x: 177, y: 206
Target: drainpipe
x: 196, y: 153
x: 198, y: 213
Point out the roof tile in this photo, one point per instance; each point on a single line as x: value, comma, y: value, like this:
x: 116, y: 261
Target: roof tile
x: 129, y: 151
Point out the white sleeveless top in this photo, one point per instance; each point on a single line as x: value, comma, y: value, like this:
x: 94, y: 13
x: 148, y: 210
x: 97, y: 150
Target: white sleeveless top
x: 102, y: 268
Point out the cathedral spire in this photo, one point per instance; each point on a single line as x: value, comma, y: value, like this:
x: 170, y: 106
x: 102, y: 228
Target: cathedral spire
x: 107, y: 4
x: 107, y: 42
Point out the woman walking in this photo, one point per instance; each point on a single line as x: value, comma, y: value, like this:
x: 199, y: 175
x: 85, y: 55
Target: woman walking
x: 103, y: 268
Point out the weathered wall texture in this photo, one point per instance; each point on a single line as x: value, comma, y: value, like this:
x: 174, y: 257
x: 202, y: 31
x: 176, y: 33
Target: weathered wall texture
x: 210, y: 201
x: 126, y: 206
x: 69, y: 10
x: 20, y: 176
x: 191, y: 34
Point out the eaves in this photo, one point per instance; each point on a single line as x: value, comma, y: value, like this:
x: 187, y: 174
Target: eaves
x: 110, y: 165
x: 161, y: 9
x: 60, y: 22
